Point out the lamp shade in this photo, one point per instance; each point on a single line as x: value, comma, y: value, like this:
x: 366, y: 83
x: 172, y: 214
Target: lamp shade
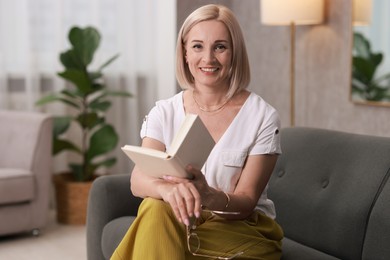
x: 362, y: 12
x: 285, y: 12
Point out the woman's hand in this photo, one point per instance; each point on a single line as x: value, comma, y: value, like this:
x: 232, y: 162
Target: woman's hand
x: 184, y: 195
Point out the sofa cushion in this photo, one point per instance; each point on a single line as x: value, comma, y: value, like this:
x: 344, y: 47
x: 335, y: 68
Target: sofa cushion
x: 324, y: 186
x: 16, y: 186
x: 296, y: 251
x: 113, y: 232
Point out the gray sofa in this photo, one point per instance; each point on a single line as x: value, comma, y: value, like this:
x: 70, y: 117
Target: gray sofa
x: 331, y: 190
x: 25, y: 171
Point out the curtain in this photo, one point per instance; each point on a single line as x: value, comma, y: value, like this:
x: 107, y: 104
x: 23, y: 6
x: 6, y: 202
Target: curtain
x: 143, y: 32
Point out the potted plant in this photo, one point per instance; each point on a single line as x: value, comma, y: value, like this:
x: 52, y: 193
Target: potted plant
x: 365, y: 63
x: 89, y: 100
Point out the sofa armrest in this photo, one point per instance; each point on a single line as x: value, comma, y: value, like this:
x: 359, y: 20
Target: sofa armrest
x: 110, y: 197
x: 41, y: 167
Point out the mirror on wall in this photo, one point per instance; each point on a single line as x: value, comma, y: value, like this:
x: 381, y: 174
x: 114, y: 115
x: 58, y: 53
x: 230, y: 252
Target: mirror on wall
x: 370, y: 82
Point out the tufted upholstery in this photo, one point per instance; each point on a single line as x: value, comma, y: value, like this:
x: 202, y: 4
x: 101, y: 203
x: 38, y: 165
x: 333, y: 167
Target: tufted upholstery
x: 329, y: 190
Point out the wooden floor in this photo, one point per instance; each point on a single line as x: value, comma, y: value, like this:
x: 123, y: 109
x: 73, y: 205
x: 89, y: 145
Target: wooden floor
x: 55, y: 242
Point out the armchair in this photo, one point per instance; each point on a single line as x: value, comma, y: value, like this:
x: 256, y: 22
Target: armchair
x: 25, y: 171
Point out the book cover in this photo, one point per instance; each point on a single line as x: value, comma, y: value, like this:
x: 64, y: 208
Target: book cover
x: 192, y: 144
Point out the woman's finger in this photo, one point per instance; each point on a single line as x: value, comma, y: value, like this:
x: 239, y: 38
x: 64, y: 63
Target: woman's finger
x: 196, y: 203
x: 174, y: 179
x: 170, y: 197
x: 182, y: 208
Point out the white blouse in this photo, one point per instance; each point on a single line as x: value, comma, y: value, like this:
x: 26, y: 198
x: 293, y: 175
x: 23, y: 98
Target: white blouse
x: 254, y: 130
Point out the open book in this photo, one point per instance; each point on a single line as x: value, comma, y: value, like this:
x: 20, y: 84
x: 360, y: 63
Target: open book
x: 192, y: 144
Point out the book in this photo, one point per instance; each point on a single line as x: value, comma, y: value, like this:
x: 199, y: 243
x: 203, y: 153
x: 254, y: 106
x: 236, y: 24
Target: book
x: 192, y: 144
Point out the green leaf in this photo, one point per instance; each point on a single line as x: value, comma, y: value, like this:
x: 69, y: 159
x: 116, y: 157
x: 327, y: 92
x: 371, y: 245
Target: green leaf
x: 55, y: 97
x: 376, y: 59
x: 361, y: 46
x: 71, y: 60
x: 78, y: 172
x: 100, y: 105
x: 97, y: 87
x: 88, y: 120
x: 60, y: 145
x: 79, y: 78
x: 95, y: 75
x: 71, y: 94
x: 85, y: 42
x: 108, y: 62
x: 106, y: 93
x: 48, y: 99
x: 102, y: 141
x: 61, y: 124
x: 363, y: 69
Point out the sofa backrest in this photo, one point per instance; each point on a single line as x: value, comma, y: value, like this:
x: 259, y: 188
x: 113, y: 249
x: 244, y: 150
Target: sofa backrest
x: 20, y: 133
x: 325, y: 185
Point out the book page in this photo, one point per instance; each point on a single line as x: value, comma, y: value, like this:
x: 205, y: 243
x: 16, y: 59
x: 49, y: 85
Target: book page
x: 181, y: 134
x: 196, y: 144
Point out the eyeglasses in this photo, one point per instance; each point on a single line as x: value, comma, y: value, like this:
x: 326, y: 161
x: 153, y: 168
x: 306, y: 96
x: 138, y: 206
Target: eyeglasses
x: 192, y: 236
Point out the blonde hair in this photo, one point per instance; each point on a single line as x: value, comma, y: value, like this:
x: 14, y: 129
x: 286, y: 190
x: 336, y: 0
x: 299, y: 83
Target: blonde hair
x: 239, y: 71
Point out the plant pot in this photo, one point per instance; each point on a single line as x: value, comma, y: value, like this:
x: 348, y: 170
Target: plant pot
x: 71, y: 199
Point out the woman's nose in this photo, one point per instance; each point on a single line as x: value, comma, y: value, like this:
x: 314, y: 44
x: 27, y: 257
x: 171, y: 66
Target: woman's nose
x: 209, y: 56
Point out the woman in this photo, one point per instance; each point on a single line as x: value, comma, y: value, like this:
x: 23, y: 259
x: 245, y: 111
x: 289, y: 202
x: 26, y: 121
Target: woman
x: 223, y: 211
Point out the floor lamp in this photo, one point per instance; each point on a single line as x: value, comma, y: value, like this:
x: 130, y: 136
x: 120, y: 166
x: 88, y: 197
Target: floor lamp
x: 361, y: 12
x: 292, y: 13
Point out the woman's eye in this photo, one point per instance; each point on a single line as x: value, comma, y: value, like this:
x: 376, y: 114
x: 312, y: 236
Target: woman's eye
x: 220, y: 47
x: 197, y: 46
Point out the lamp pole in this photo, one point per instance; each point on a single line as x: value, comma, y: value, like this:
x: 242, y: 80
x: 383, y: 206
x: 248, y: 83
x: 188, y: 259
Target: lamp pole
x: 292, y: 73
x: 292, y: 13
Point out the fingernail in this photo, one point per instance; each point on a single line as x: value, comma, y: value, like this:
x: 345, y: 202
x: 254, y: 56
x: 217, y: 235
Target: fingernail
x: 197, y: 214
x: 187, y: 222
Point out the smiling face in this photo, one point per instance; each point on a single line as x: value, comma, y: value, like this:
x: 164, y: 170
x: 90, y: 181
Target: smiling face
x: 208, y: 51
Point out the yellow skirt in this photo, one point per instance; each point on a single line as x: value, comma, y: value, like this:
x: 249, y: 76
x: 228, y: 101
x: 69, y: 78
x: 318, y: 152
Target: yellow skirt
x: 157, y: 235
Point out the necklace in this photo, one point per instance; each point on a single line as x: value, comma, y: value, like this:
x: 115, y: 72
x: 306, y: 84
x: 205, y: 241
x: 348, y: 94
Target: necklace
x: 219, y: 106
